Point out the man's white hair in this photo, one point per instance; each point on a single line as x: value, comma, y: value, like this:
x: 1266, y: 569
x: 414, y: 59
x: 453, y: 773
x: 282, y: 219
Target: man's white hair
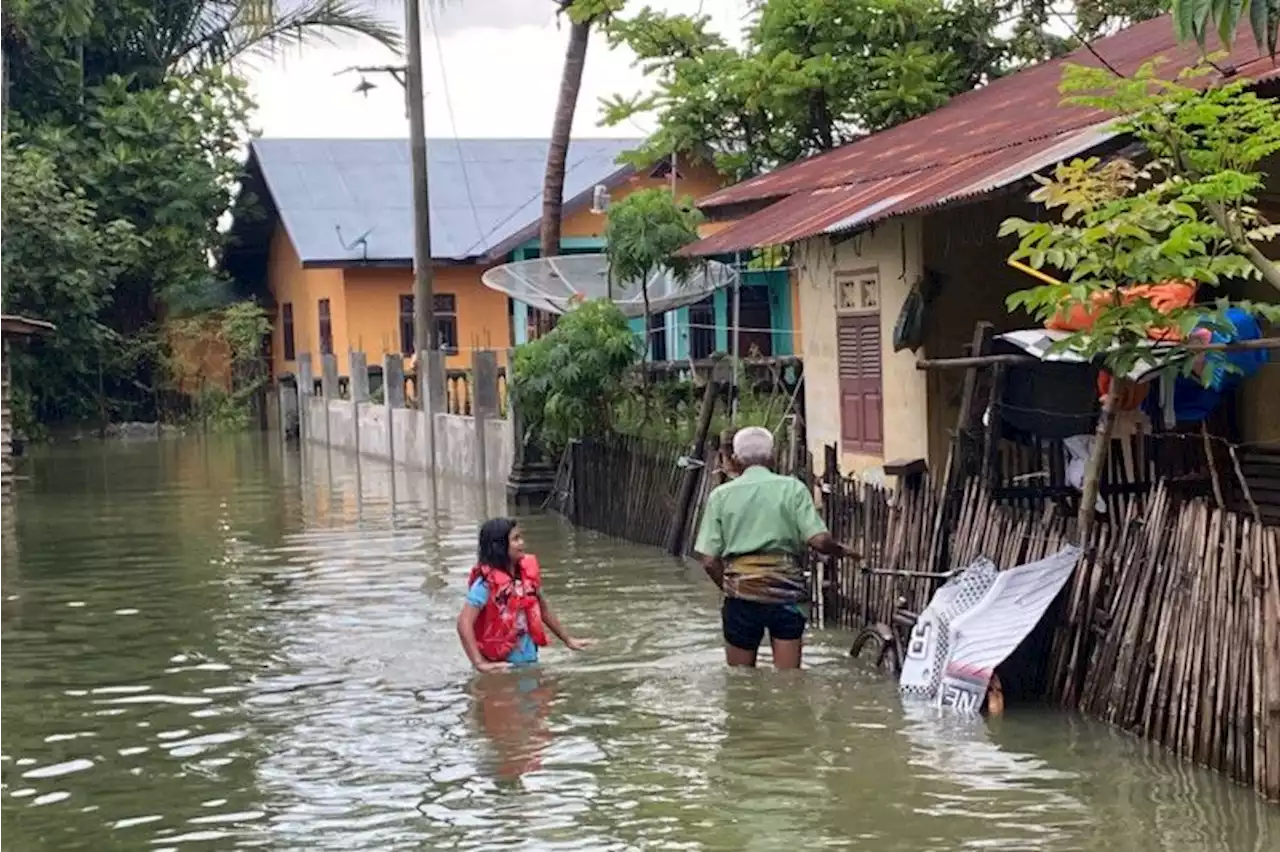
x: 753, y: 445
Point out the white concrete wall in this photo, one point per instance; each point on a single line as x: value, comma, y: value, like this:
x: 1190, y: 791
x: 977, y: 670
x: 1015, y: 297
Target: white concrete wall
x: 399, y: 435
x: 894, y: 250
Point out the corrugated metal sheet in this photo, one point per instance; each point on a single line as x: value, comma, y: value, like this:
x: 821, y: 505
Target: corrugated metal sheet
x: 978, y: 142
x: 831, y: 210
x: 331, y: 192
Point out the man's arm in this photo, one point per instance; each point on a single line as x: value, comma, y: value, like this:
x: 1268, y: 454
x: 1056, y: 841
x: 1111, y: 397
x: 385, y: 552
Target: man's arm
x: 709, y: 545
x: 812, y: 529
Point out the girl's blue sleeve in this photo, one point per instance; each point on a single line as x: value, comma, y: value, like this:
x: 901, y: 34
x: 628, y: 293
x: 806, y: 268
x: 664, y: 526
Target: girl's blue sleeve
x: 478, y: 594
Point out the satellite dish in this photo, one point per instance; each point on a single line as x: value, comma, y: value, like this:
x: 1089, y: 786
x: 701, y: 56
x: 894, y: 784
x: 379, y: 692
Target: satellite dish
x: 555, y: 284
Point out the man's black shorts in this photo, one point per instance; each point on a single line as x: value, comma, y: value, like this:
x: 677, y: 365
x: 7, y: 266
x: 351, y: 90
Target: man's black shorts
x: 746, y: 621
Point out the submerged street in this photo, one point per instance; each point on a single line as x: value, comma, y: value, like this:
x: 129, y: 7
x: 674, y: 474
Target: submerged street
x: 225, y: 644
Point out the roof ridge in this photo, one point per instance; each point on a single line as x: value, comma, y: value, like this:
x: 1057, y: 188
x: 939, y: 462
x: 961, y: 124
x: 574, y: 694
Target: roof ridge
x: 450, y: 139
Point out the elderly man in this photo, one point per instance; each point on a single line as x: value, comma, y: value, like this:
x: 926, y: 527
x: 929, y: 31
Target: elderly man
x: 753, y: 534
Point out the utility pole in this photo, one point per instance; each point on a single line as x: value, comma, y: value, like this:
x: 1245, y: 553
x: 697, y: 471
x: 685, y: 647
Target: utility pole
x: 425, y: 343
x: 424, y: 326
x: 424, y: 308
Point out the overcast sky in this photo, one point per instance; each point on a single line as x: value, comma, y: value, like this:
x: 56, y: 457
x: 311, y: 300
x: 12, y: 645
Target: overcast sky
x: 498, y: 61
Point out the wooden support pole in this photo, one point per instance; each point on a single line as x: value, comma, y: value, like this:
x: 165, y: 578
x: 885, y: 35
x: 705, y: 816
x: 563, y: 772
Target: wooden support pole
x: 1097, y: 464
x: 991, y: 436
x: 985, y: 360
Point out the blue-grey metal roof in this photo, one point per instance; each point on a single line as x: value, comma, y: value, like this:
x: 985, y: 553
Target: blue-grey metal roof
x: 331, y: 193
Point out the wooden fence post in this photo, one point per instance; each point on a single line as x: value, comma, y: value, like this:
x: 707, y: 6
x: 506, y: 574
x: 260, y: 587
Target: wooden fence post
x: 575, y: 480
x: 695, y: 470
x: 5, y: 425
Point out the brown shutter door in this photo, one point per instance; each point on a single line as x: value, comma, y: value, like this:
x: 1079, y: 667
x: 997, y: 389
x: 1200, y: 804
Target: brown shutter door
x: 861, y: 395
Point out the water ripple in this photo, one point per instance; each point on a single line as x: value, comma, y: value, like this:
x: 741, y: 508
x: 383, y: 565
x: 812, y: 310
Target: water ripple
x: 220, y: 645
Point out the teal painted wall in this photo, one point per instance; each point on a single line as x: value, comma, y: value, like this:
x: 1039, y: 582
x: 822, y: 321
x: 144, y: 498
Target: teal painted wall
x: 530, y: 250
x: 778, y: 282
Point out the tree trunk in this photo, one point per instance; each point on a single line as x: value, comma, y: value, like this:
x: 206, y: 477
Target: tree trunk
x: 575, y: 60
x: 1097, y: 461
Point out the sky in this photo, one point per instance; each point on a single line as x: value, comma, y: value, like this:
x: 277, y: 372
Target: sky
x: 491, y: 69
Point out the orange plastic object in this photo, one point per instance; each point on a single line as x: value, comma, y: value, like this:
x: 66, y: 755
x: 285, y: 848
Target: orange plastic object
x: 1165, y: 297
x: 1130, y: 398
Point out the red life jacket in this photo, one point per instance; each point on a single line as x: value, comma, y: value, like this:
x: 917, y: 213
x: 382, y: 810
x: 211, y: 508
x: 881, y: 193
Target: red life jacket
x: 497, y: 626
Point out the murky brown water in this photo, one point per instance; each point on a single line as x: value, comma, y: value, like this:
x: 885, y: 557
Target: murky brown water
x: 220, y: 645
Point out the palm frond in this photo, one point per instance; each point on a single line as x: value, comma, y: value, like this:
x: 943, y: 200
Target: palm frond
x: 229, y: 29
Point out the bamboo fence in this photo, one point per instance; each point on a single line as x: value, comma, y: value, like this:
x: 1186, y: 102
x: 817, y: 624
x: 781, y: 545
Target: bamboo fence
x: 1169, y: 627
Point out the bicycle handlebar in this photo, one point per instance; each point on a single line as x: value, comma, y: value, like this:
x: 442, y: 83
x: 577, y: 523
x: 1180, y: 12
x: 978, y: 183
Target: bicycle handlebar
x: 932, y: 575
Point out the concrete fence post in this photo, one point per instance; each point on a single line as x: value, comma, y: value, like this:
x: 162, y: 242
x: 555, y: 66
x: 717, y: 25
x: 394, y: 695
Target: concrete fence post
x: 359, y: 377
x: 306, y: 386
x: 484, y: 406
x: 329, y: 387
x: 393, y: 381
x: 392, y: 398
x: 359, y: 387
x: 431, y: 391
x: 329, y: 375
x: 289, y: 408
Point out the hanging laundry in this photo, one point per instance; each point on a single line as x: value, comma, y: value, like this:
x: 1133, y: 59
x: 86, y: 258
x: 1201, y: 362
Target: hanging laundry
x: 1196, y: 397
x: 1078, y: 448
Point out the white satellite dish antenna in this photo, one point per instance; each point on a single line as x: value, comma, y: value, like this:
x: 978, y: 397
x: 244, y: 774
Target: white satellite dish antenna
x: 555, y: 284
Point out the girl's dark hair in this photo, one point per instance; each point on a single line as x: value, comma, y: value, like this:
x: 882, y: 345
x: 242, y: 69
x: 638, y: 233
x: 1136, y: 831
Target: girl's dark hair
x: 495, y: 536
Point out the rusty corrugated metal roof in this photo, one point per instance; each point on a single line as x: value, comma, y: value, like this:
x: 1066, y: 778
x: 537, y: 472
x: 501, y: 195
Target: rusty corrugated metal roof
x: 24, y: 326
x: 978, y: 142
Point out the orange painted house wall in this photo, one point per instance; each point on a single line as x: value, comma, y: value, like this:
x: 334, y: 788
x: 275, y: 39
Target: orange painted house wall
x: 365, y: 302
x: 373, y: 311
x: 303, y: 288
x: 696, y: 181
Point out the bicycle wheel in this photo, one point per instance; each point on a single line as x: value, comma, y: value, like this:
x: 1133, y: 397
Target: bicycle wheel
x: 874, y: 644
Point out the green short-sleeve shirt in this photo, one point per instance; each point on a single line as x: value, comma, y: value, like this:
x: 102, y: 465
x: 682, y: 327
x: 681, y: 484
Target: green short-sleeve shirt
x: 760, y: 512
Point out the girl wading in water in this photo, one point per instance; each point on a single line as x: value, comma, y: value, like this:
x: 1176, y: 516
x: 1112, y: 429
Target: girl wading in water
x: 505, y: 619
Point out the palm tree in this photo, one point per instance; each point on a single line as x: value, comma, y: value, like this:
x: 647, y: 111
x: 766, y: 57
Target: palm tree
x: 575, y: 61
x: 217, y: 31
x: 582, y: 14
x: 54, y: 49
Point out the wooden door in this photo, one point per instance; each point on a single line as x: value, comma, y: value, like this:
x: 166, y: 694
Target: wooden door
x: 859, y: 357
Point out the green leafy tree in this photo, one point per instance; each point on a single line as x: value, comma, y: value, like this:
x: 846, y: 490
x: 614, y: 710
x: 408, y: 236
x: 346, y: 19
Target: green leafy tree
x: 567, y: 382
x: 812, y: 74
x: 1220, y: 135
x: 1043, y: 29
x: 59, y: 262
x: 165, y: 161
x: 131, y: 102
x: 1119, y: 226
x: 815, y: 74
x: 56, y: 50
x: 642, y: 235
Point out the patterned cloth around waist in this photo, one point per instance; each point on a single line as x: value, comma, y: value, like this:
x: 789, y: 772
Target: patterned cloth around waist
x: 765, y: 578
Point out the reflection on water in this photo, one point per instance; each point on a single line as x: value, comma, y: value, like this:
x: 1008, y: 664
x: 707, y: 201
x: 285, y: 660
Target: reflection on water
x: 223, y: 645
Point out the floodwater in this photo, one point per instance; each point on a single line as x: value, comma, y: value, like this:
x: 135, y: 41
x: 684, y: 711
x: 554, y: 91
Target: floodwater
x: 228, y: 645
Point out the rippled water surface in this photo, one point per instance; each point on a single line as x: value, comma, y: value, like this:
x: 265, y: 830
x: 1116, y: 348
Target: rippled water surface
x: 223, y: 645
